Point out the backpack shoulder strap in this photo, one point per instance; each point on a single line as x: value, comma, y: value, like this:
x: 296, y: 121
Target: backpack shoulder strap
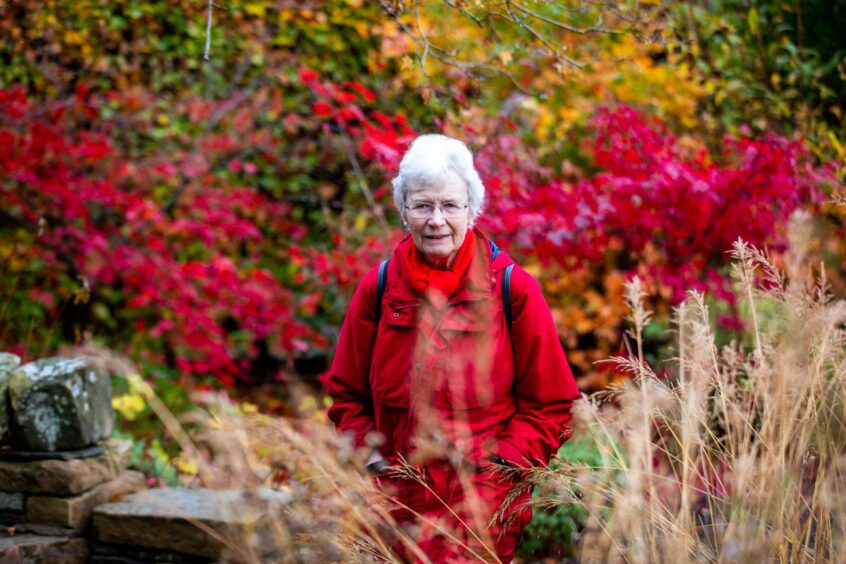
x: 381, y: 282
x: 506, y: 294
x: 494, y: 250
x: 506, y: 285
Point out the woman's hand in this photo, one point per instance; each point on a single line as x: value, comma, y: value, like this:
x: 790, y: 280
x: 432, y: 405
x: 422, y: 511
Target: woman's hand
x: 376, y: 464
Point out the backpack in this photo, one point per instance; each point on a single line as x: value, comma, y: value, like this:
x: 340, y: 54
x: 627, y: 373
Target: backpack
x: 506, y: 286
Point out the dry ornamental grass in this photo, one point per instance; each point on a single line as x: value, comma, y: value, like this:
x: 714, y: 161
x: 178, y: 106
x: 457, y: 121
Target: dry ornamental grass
x: 740, y: 455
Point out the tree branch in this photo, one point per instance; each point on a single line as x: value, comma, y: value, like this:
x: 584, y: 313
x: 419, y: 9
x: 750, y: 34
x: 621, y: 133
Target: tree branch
x: 208, y: 30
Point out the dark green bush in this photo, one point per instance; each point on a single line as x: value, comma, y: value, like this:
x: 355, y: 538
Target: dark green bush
x: 555, y: 532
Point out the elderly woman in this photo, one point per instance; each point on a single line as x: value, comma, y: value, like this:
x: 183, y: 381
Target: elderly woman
x: 449, y: 355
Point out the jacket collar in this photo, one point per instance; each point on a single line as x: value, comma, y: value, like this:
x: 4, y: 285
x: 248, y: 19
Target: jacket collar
x: 476, y: 284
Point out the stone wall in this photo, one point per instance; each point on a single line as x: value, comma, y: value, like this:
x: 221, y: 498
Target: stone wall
x: 66, y: 495
x: 46, y: 505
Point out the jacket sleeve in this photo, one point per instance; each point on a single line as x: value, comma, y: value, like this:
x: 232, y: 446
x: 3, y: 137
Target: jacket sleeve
x: 349, y: 378
x: 544, y: 387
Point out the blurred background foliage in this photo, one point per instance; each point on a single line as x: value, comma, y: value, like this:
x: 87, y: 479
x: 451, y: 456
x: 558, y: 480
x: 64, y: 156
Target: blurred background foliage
x: 211, y: 217
x: 300, y: 113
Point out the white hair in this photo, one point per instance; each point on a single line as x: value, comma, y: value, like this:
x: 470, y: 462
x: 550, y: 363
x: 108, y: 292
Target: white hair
x: 429, y: 159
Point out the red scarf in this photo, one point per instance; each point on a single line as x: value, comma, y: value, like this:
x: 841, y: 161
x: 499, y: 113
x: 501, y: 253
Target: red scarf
x: 438, y: 285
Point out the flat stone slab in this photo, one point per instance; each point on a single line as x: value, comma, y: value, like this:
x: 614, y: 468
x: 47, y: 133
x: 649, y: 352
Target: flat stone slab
x: 36, y: 548
x: 75, y: 512
x: 66, y: 477
x: 47, y: 530
x: 28, y: 455
x: 192, y: 521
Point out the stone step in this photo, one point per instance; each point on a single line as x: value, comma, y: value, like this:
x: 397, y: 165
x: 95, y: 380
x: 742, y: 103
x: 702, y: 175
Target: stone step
x: 38, y: 549
x: 75, y: 512
x: 106, y: 553
x: 65, y: 477
x: 212, y: 524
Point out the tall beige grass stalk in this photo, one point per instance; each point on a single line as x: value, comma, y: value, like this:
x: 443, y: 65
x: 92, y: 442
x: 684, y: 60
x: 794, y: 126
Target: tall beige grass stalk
x: 337, y: 513
x: 740, y: 455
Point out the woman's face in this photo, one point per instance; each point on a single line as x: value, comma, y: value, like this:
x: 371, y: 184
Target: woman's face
x: 440, y: 235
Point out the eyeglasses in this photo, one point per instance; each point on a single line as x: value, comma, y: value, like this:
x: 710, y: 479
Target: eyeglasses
x: 425, y: 210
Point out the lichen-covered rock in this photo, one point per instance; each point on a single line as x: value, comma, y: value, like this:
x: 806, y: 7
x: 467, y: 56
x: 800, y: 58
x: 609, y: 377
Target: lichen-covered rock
x: 8, y: 363
x: 61, y: 404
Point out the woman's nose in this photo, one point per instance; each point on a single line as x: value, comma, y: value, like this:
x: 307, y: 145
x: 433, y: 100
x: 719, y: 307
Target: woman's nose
x: 437, y: 217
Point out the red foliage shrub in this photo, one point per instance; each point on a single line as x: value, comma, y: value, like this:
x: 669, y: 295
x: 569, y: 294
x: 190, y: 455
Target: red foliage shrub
x: 655, y: 207
x: 218, y: 245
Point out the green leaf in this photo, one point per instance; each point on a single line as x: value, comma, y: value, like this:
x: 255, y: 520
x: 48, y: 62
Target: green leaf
x: 754, y: 21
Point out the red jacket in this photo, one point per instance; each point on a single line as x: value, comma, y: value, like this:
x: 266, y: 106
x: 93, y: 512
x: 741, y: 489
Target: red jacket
x: 489, y: 391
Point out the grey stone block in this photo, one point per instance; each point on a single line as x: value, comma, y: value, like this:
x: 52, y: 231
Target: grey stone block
x: 75, y: 512
x: 66, y: 477
x: 61, y: 404
x: 11, y: 501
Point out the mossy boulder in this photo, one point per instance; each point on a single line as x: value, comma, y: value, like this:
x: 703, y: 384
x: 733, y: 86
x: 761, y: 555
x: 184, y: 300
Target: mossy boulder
x: 61, y: 404
x: 8, y: 363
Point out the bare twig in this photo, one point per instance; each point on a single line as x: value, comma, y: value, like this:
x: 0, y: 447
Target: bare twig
x: 362, y: 181
x: 447, y: 58
x: 543, y: 40
x: 595, y: 28
x: 208, y: 30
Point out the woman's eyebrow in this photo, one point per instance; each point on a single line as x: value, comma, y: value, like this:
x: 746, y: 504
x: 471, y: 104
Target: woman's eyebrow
x: 446, y: 201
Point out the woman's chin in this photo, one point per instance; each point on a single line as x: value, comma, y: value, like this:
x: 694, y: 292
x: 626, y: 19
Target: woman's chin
x: 437, y: 253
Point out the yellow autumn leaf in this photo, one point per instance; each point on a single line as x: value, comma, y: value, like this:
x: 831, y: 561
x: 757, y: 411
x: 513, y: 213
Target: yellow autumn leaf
x: 73, y: 37
x: 362, y: 29
x: 360, y: 223
x: 128, y: 405
x: 836, y: 144
x: 137, y: 385
x: 186, y: 465
x: 534, y: 269
x: 505, y: 57
x: 257, y: 9
x: 308, y: 403
x: 406, y: 63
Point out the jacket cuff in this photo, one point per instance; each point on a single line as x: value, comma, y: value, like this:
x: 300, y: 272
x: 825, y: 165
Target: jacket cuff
x: 511, y: 454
